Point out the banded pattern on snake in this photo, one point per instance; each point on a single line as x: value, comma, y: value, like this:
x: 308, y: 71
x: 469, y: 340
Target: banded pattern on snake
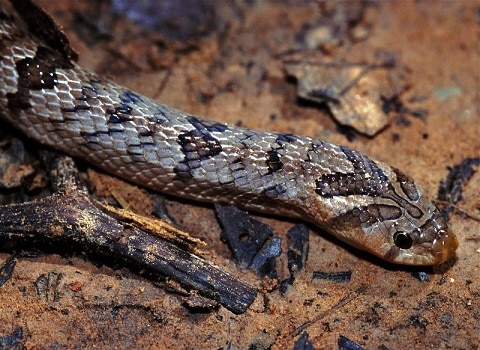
x: 366, y: 203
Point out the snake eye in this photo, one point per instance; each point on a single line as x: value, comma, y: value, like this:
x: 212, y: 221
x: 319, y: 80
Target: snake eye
x: 402, y: 240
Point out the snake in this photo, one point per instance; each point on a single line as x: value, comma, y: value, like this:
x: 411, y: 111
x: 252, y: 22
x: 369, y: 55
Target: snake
x: 50, y: 98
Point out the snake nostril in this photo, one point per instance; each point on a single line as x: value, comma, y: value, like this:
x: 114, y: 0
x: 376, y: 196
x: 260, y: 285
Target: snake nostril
x: 402, y: 240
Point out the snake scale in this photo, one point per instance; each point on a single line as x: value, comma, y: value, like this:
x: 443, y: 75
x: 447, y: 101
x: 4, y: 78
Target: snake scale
x: 366, y: 203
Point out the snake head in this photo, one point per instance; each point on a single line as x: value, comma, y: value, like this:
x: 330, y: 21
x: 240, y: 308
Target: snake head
x: 431, y: 244
x: 420, y: 235
x: 395, y: 221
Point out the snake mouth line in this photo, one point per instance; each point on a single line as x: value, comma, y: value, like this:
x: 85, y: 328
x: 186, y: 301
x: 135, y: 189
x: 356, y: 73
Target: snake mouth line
x: 425, y: 254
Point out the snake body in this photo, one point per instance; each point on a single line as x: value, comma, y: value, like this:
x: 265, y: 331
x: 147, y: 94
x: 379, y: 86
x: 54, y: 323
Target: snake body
x: 366, y: 203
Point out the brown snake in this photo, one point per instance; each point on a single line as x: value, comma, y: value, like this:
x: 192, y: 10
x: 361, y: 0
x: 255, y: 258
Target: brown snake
x: 366, y: 203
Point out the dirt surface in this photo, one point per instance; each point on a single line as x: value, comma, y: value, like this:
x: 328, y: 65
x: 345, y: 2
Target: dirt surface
x: 226, y: 63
